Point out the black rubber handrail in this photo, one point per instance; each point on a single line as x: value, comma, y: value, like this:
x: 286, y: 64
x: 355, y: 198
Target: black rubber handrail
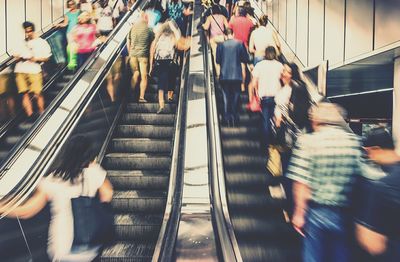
x: 26, y: 185
x: 226, y: 237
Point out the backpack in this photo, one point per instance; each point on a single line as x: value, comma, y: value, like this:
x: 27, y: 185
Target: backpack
x: 165, y: 48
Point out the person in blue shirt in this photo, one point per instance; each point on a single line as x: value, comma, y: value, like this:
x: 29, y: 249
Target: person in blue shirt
x: 230, y: 56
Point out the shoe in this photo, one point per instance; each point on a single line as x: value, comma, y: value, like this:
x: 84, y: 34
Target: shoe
x: 142, y: 100
x: 160, y: 110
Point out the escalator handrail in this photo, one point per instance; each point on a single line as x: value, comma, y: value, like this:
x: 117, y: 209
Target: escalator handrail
x: 227, y: 239
x: 59, y: 98
x: 42, y: 163
x: 169, y: 228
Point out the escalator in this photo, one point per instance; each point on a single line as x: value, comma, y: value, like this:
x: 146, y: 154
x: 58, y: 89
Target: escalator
x: 258, y: 220
x: 22, y: 124
x: 138, y: 160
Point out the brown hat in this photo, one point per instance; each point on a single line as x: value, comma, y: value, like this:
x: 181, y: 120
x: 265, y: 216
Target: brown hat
x: 328, y: 113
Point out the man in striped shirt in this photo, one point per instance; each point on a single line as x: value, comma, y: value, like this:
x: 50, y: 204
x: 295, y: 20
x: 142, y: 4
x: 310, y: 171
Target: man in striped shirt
x: 324, y: 166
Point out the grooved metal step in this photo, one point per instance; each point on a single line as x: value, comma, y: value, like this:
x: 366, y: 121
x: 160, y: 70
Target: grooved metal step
x: 139, y: 201
x: 132, y: 251
x: 137, y: 226
x: 129, y: 161
x: 144, y: 145
x: 145, y: 131
x: 138, y: 179
x: 149, y: 108
x: 148, y: 119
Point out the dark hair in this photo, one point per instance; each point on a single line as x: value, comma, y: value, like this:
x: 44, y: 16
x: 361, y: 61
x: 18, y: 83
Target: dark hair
x: 28, y: 24
x: 229, y: 31
x: 76, y: 155
x: 216, y: 10
x: 295, y: 72
x: 270, y: 53
x: 379, y: 136
x: 263, y: 20
x: 242, y: 11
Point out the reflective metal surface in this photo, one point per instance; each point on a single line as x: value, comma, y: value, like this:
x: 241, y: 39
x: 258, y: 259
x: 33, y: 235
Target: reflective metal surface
x: 196, y: 240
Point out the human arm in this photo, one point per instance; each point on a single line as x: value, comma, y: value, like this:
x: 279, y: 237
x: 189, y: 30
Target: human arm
x: 207, y: 24
x: 31, y: 207
x: 252, y: 48
x: 152, y: 52
x: 301, y: 195
x: 106, y: 191
x: 373, y: 242
x: 64, y: 23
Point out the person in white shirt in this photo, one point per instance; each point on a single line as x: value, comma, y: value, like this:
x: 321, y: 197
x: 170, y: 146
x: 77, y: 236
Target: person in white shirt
x: 75, y: 174
x: 28, y: 70
x: 261, y: 38
x: 119, y: 9
x: 104, y: 18
x: 266, y: 82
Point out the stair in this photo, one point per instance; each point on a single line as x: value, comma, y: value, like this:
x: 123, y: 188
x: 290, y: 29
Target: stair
x: 258, y: 220
x: 138, y: 161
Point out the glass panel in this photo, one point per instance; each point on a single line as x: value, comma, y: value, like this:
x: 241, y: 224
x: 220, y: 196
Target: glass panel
x: 387, y: 19
x: 46, y: 15
x: 275, y: 13
x: 334, y: 30
x: 282, y: 18
x: 359, y: 23
x: 34, y: 13
x: 291, y: 23
x: 302, y: 30
x: 58, y: 11
x: 316, y: 32
x: 15, y: 18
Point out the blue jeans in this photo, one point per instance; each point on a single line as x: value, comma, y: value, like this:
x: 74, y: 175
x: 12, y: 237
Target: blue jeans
x: 328, y: 231
x: 231, y: 94
x: 267, y: 107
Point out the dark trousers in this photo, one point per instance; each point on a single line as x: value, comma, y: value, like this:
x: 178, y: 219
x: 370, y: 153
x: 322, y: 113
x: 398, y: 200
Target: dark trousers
x: 267, y: 107
x: 82, y: 57
x: 231, y: 94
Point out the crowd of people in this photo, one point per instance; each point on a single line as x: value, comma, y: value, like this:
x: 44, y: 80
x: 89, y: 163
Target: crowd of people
x: 333, y: 202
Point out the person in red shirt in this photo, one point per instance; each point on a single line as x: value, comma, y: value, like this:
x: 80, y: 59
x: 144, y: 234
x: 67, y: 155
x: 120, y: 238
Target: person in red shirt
x: 242, y: 27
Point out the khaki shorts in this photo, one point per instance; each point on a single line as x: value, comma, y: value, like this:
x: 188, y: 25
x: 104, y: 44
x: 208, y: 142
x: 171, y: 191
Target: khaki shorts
x: 140, y: 64
x: 5, y: 84
x: 32, y: 83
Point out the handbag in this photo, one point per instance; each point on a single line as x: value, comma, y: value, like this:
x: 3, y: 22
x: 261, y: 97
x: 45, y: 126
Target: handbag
x: 93, y: 220
x: 285, y: 135
x: 255, y: 103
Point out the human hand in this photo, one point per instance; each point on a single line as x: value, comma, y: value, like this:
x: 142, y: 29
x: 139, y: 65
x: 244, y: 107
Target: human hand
x: 298, y: 222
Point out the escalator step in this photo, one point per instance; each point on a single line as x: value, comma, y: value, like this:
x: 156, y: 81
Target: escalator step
x: 129, y: 161
x: 144, y: 145
x: 137, y: 226
x: 256, y: 251
x: 24, y: 127
x: 149, y: 119
x: 149, y: 131
x: 149, y: 108
x: 139, y: 201
x: 250, y: 179
x: 239, y: 145
x: 138, y: 251
x: 251, y: 201
x: 241, y: 160
x: 240, y: 132
x: 139, y: 179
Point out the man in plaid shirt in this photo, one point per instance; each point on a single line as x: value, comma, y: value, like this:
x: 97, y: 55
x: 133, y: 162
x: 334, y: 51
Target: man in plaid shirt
x: 324, y: 166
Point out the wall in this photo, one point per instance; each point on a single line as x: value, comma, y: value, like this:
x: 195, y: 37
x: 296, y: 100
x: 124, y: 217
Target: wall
x: 43, y: 13
x: 335, y: 30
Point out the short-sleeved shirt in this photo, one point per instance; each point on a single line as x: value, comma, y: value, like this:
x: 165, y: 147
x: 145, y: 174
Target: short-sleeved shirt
x: 230, y: 54
x: 241, y: 27
x: 35, y: 48
x: 60, y: 193
x: 72, y: 20
x: 175, y: 12
x: 104, y: 18
x: 140, y: 39
x: 379, y: 208
x: 328, y: 161
x: 268, y: 74
x: 262, y: 38
x: 85, y: 35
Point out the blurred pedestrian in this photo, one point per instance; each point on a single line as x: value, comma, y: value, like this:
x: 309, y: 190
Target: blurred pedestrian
x: 84, y: 37
x: 163, y: 60
x: 74, y: 171
x: 377, y: 223
x: 324, y: 166
x: 266, y: 82
x: 139, y: 41
x: 7, y: 100
x: 28, y: 70
x: 177, y: 11
x: 230, y: 55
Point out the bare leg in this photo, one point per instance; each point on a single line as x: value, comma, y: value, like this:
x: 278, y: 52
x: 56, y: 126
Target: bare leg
x: 27, y: 104
x: 40, y: 103
x: 143, y: 86
x: 110, y: 87
x: 243, y: 87
x: 135, y: 79
x: 161, y: 101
